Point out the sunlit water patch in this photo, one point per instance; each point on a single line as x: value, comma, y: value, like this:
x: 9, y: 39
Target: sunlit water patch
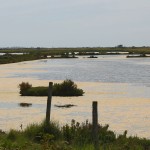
x: 103, y: 69
x: 120, y: 85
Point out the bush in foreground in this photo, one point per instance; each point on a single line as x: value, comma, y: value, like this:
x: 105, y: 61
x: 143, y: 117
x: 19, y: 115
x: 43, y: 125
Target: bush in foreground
x: 66, y: 88
x: 77, y: 136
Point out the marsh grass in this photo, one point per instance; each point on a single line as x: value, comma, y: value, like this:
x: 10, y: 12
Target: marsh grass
x: 77, y: 136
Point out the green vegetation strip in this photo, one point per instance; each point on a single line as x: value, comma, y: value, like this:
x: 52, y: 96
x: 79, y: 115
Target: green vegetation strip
x: 43, y: 53
x: 68, y: 137
x: 66, y: 88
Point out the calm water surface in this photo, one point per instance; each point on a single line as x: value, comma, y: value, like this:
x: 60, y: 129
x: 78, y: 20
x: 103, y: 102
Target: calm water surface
x: 120, y: 85
x: 116, y: 69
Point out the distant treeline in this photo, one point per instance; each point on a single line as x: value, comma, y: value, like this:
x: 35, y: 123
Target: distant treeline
x: 58, y: 51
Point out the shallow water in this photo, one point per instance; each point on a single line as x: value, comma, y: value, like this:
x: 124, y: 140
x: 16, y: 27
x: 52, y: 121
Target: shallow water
x: 121, y: 87
x: 104, y: 69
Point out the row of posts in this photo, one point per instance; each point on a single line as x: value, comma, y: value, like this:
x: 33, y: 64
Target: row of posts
x: 94, y: 116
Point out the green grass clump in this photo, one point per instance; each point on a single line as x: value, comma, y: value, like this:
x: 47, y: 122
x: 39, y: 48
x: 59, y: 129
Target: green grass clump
x: 66, y: 88
x: 39, y: 130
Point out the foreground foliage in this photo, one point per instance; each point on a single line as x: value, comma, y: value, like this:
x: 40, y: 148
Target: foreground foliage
x: 66, y: 88
x: 69, y: 137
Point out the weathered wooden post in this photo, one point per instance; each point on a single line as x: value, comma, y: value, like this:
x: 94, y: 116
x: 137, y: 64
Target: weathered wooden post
x: 95, y: 126
x: 48, y: 110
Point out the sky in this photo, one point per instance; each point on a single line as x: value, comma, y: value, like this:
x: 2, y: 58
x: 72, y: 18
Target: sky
x: 74, y: 23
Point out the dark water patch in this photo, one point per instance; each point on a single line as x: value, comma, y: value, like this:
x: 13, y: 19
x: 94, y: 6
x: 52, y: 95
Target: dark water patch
x: 11, y: 105
x: 25, y: 104
x: 65, y: 106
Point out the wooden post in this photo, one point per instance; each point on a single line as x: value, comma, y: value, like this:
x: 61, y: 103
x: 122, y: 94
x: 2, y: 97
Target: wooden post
x: 95, y: 126
x: 48, y: 110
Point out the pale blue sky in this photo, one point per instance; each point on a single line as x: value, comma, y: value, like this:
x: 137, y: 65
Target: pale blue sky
x: 74, y: 23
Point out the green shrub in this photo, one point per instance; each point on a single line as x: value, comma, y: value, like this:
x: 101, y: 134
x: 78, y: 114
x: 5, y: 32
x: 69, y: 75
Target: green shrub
x: 34, y: 130
x: 66, y: 88
x: 37, y: 91
x: 24, y: 86
x: 81, y: 134
x: 12, y: 135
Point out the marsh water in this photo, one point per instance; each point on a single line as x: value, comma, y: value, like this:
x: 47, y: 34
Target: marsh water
x: 119, y: 84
